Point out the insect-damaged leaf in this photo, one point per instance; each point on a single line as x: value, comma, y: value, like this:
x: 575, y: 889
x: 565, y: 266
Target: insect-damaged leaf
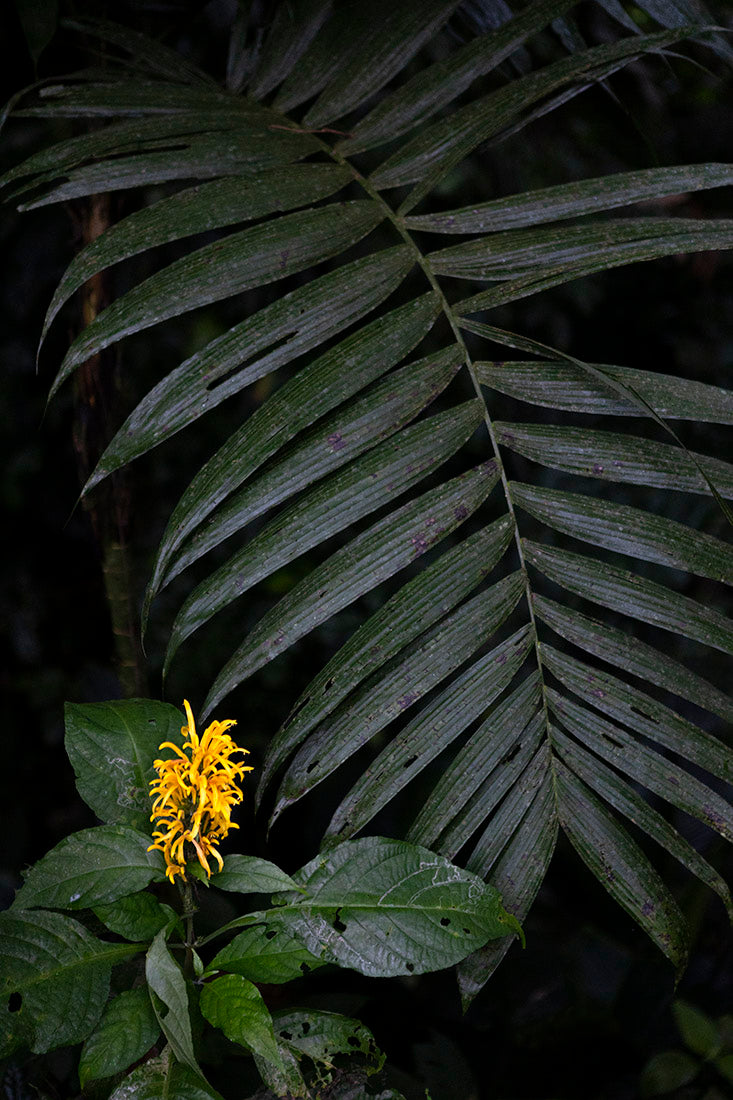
x: 385, y: 907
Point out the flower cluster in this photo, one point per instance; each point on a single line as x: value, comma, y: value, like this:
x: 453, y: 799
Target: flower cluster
x: 194, y: 794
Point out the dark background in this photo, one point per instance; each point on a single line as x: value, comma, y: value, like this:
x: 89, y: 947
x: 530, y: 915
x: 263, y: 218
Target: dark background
x: 583, y: 1008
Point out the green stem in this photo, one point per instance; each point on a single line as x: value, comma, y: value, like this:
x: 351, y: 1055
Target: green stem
x: 188, y: 909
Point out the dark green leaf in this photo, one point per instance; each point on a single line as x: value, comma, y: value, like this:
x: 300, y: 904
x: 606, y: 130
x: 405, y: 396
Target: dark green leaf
x: 195, y: 145
x: 518, y: 875
x: 335, y: 503
x: 428, y: 90
x: 91, y: 867
x: 384, y: 908
x: 251, y: 257
x: 127, y: 1030
x: 432, y: 730
x: 632, y: 758
x: 107, y: 94
x: 327, y: 54
x: 197, y: 210
x: 235, y: 1005
x: 243, y: 49
x: 323, y: 1036
x: 677, y: 13
x: 413, y: 609
x: 614, y: 457
x: 282, y: 331
x: 388, y: 35
x: 287, y: 1081
x: 39, y: 19
x: 632, y: 595
x: 162, y: 1079
x: 640, y: 712
x: 643, y: 661
x: 112, y: 747
x: 251, y: 875
x: 314, y: 391
x: 620, y: 865
x: 568, y: 387
x: 593, y: 246
x: 355, y: 427
x: 699, y: 1032
x: 570, y: 200
x: 667, y: 1072
x: 628, y: 530
x: 115, y: 140
x: 622, y: 796
x: 724, y: 1066
x: 612, y: 385
x: 145, y: 52
x: 436, y: 150
x: 294, y: 26
x: 61, y: 974
x: 465, y: 792
x: 503, y: 824
x: 378, y: 553
x: 138, y: 917
x: 265, y: 953
x: 170, y: 1002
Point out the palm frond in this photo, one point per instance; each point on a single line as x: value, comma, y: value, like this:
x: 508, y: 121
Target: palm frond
x: 456, y: 661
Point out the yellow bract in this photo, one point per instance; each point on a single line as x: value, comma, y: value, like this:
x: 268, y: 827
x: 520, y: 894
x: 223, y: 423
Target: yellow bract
x: 194, y: 794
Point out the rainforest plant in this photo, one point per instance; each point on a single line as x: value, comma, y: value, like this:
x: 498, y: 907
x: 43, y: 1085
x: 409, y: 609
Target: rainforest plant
x: 517, y: 662
x: 380, y: 906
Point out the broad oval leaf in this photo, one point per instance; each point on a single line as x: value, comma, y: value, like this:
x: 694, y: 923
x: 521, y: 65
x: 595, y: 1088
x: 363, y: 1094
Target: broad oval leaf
x: 235, y: 1005
x: 265, y: 953
x: 112, y: 747
x: 322, y: 1036
x: 60, y: 973
x: 91, y: 867
x: 137, y: 917
x: 384, y: 908
x: 127, y: 1031
x: 251, y: 875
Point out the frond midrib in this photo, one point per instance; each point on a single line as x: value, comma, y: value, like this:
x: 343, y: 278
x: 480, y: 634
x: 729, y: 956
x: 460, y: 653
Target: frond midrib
x: 422, y: 260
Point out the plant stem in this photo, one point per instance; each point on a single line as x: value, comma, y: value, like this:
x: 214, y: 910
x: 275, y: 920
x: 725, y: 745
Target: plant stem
x: 96, y: 400
x: 188, y: 910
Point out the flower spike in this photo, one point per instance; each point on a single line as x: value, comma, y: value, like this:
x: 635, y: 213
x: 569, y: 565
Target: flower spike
x: 193, y: 795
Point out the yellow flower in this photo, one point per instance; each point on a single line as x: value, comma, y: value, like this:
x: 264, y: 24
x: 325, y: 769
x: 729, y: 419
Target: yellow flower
x: 194, y: 794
